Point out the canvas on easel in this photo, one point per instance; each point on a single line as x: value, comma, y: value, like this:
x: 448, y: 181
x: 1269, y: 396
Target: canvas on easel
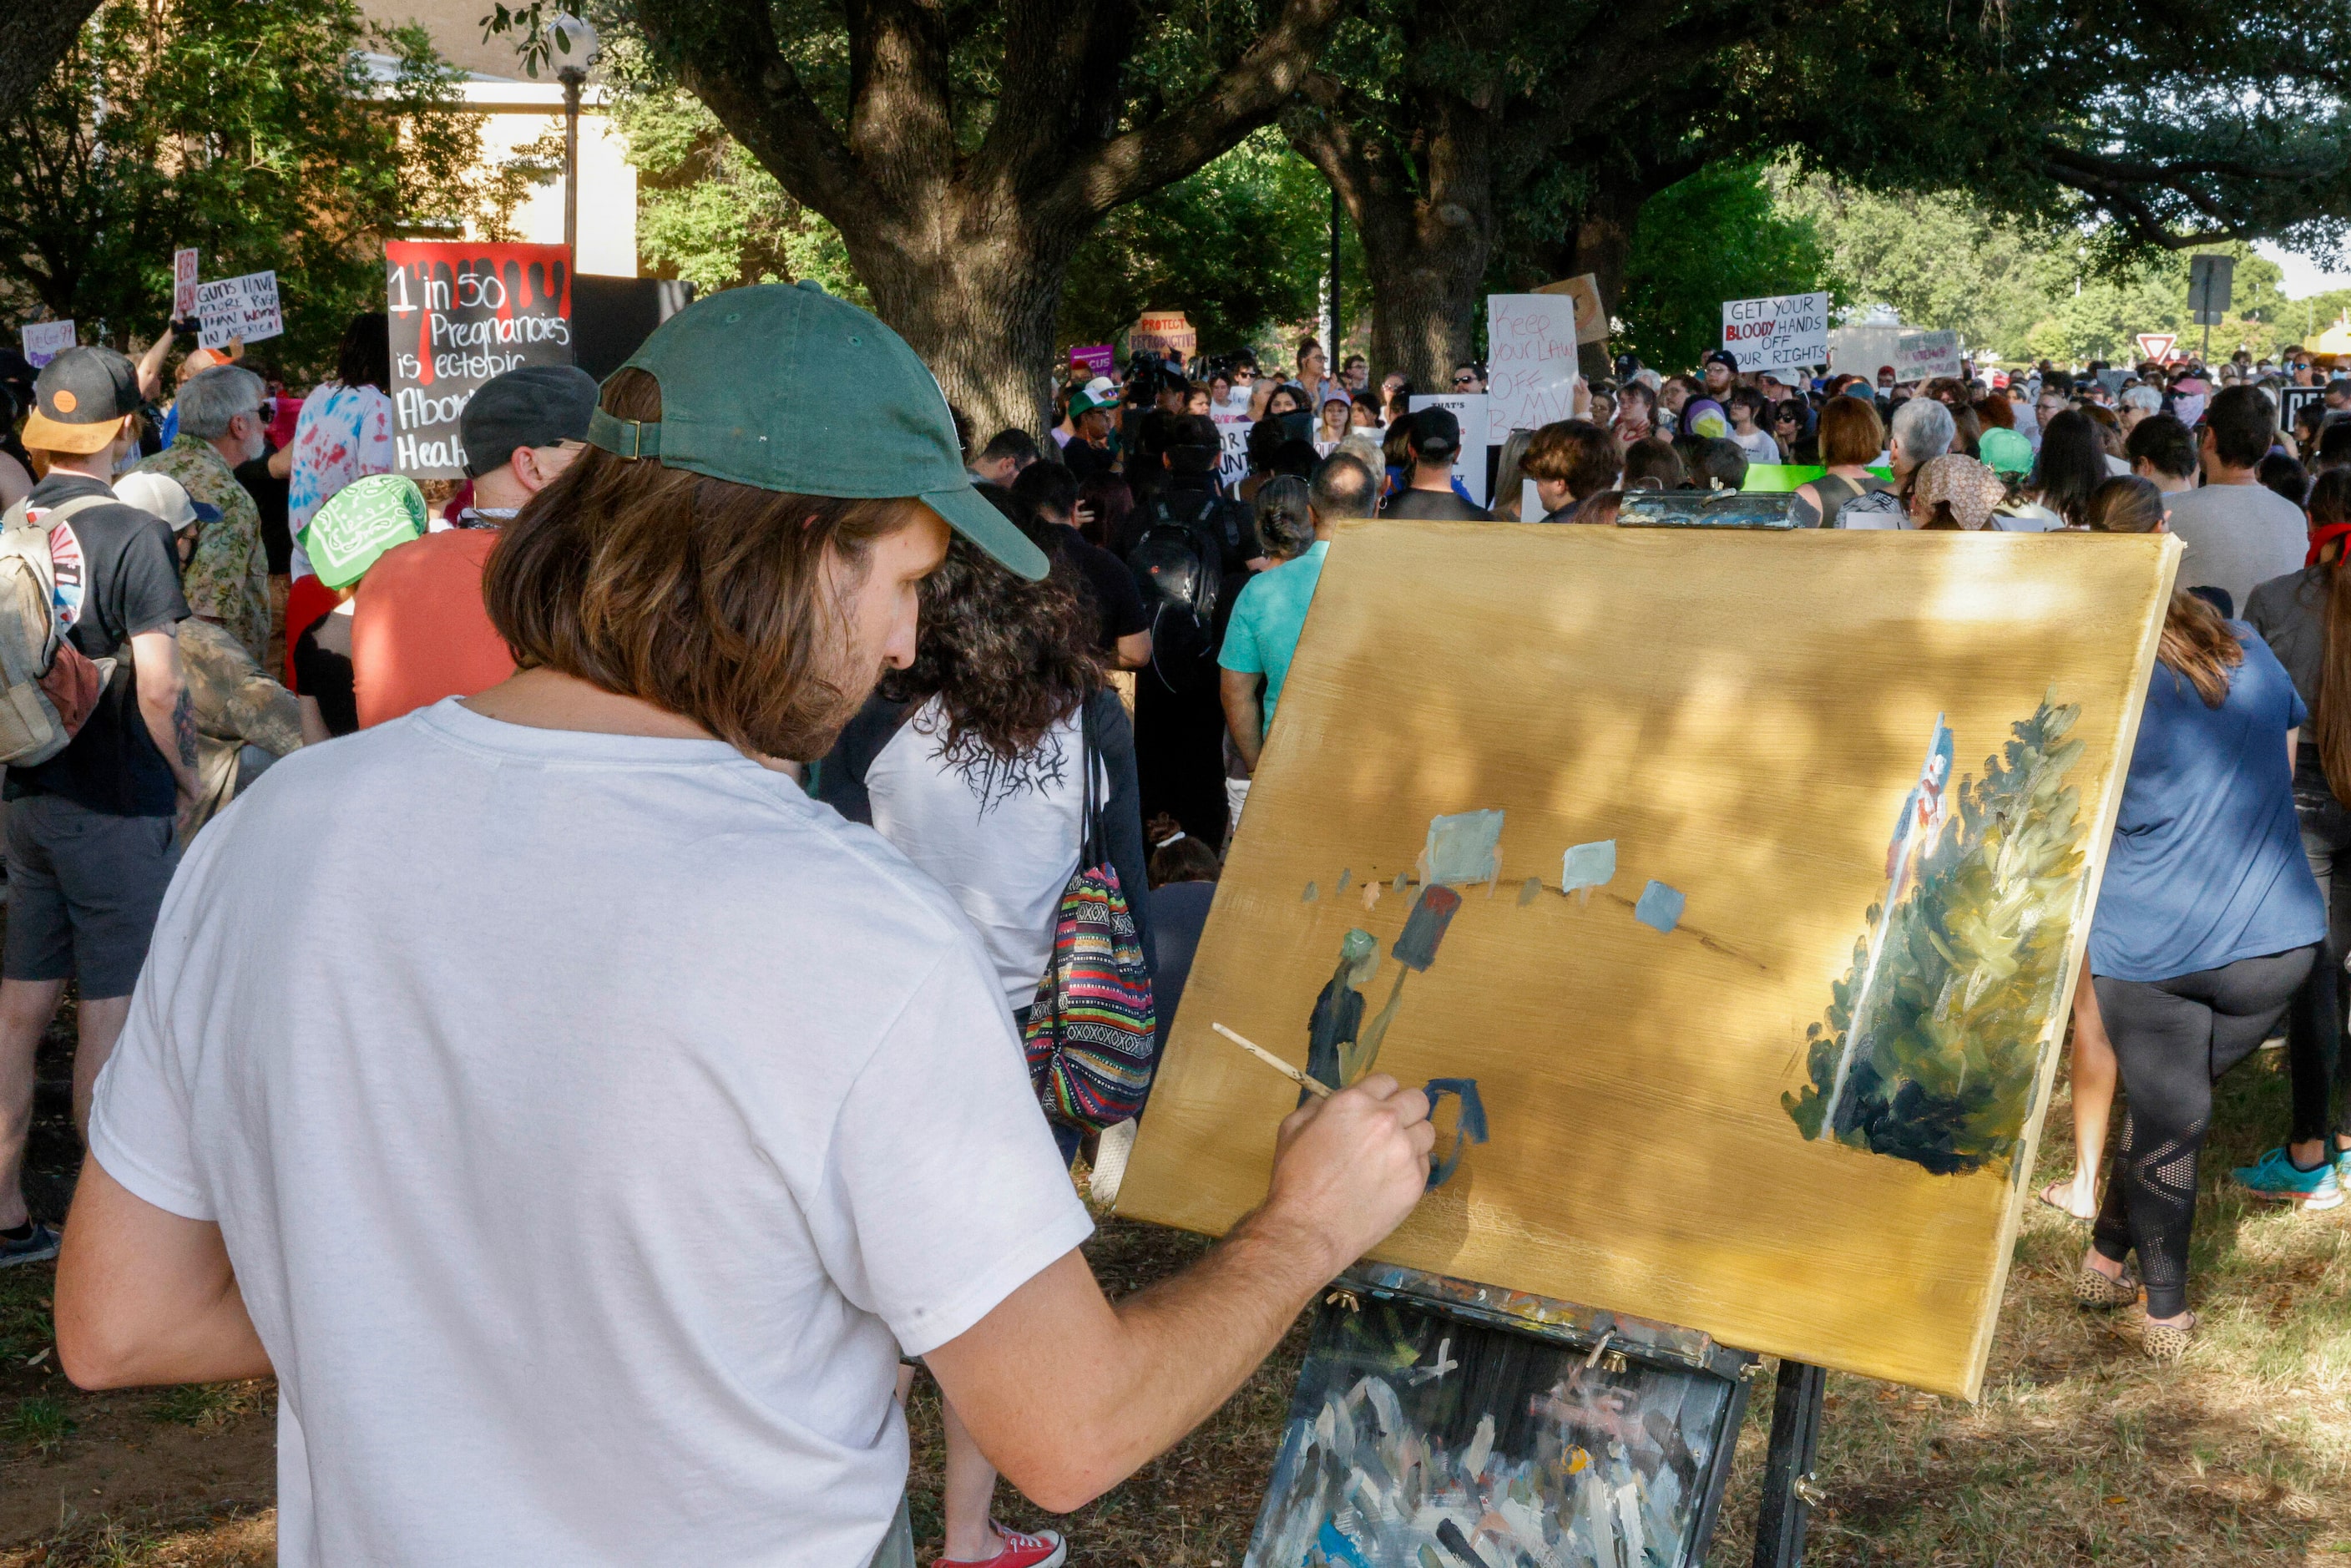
x: 1741, y: 877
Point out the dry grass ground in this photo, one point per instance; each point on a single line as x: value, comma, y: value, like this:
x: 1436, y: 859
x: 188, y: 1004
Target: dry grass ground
x: 2080, y: 1452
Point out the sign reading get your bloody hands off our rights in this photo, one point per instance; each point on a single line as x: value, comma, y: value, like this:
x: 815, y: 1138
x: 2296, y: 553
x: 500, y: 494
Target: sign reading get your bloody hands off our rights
x: 1779, y: 333
x: 461, y: 314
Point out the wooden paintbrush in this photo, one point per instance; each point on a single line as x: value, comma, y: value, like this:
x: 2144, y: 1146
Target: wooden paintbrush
x: 1312, y: 1085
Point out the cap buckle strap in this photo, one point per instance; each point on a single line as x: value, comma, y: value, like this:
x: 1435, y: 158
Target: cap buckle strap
x: 627, y: 439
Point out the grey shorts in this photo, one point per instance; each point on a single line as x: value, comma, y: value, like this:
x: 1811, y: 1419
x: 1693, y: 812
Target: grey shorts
x: 83, y: 891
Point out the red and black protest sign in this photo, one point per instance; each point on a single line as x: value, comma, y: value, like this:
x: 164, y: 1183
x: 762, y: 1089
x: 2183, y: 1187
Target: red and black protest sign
x: 461, y: 313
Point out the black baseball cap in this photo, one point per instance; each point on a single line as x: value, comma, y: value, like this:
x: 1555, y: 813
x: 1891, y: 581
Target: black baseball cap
x: 537, y: 405
x: 1436, y: 435
x: 1721, y: 357
x: 80, y: 401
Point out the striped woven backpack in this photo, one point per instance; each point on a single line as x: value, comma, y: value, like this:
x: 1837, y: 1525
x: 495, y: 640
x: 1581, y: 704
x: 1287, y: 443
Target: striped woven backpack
x: 1090, y: 1034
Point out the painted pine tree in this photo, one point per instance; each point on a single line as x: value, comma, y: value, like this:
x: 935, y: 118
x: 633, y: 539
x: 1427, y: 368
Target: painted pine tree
x: 1946, y: 1060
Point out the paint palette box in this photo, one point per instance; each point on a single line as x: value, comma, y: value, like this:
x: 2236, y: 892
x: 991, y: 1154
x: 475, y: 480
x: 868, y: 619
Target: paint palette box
x: 1442, y: 1425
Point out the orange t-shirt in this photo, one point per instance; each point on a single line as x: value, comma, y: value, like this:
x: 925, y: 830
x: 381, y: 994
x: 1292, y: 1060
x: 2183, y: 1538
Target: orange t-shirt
x: 419, y: 631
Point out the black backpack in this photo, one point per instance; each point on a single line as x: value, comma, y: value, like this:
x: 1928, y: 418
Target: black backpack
x: 1180, y: 559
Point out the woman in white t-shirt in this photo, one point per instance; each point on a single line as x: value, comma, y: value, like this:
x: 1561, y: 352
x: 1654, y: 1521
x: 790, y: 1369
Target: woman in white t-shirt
x: 971, y: 762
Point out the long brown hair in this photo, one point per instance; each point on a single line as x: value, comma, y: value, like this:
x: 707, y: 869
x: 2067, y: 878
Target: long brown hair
x: 2196, y: 642
x: 2330, y: 503
x: 703, y: 597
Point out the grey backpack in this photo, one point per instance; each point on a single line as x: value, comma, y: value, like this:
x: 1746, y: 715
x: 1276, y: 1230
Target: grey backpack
x: 47, y: 687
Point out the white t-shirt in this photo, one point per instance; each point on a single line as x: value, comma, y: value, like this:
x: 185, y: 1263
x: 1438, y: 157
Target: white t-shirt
x: 1758, y: 444
x: 2238, y: 537
x: 592, y: 1120
x: 1003, y: 839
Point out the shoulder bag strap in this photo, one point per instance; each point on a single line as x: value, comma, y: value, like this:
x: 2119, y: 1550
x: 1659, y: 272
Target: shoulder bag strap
x: 1090, y: 845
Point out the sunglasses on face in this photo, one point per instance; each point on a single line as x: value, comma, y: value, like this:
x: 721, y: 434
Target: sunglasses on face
x: 1465, y: 380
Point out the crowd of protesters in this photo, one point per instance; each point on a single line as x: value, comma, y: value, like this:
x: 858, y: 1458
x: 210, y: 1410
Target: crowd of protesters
x: 1043, y: 672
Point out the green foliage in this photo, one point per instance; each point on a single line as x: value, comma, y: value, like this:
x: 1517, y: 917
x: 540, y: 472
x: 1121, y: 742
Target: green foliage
x: 253, y: 130
x: 1714, y: 237
x: 39, y: 1423
x: 2021, y: 292
x: 1945, y: 1063
x: 706, y: 211
x: 1241, y: 247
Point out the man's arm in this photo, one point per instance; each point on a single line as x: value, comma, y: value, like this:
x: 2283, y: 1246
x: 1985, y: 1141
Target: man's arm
x: 1068, y: 1394
x: 165, y: 703
x: 144, y: 1296
x: 1244, y: 714
x: 1134, y: 650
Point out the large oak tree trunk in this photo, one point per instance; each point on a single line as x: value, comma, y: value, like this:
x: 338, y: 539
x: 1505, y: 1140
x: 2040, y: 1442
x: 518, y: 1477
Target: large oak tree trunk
x: 974, y: 290
x: 964, y: 247
x: 1428, y: 228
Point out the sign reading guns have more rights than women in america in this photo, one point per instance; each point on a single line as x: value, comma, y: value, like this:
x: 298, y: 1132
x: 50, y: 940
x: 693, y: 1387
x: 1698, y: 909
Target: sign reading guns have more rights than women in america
x: 461, y: 314
x: 1785, y: 332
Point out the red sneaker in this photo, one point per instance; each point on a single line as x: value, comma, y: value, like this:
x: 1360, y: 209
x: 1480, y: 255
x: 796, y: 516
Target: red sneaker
x: 1046, y: 1551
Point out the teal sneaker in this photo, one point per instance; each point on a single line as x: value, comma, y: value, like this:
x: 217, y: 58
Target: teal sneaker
x: 2274, y: 1175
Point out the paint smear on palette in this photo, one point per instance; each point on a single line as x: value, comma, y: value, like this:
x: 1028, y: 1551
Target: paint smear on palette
x: 1463, y: 848
x: 1660, y: 907
x: 1416, y: 1441
x: 1588, y: 865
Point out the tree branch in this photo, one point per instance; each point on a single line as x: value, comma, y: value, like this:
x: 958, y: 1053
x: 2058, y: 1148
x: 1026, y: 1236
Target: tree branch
x: 1247, y: 94
x: 728, y: 55
x: 35, y: 35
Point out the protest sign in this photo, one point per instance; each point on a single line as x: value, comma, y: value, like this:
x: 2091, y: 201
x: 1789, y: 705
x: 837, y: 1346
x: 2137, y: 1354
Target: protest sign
x: 1781, y: 332
x: 1591, y: 316
x: 44, y: 341
x: 1469, y: 462
x: 235, y: 310
x: 463, y: 312
x: 2291, y: 401
x: 1163, y: 332
x: 184, y: 283
x: 1530, y: 376
x: 1233, y: 428
x: 1922, y: 356
x: 1095, y: 360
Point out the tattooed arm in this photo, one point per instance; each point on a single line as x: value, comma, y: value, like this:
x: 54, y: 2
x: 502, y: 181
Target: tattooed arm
x: 165, y: 703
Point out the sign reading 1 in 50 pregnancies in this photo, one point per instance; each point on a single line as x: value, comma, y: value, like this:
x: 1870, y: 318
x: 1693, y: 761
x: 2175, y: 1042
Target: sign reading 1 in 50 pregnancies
x: 462, y: 313
x: 1783, y: 332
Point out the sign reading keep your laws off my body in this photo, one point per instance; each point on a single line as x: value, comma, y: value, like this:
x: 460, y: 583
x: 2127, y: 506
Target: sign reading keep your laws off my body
x: 462, y: 313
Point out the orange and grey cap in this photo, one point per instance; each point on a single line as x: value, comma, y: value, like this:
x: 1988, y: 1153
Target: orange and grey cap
x: 80, y: 401
x: 782, y: 387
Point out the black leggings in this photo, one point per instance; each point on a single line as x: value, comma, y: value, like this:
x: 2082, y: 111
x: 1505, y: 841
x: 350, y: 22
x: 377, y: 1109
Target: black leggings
x: 2320, y: 1066
x: 2173, y: 1040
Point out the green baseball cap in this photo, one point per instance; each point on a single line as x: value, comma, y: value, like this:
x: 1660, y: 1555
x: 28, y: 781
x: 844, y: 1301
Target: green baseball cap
x: 2003, y: 451
x: 782, y: 387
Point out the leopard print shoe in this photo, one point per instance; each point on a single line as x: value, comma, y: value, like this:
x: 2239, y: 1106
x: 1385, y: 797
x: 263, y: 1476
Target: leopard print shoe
x: 2100, y: 1292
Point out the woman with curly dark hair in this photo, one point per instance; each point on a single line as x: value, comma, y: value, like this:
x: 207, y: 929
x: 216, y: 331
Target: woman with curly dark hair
x: 972, y: 761
x: 968, y: 760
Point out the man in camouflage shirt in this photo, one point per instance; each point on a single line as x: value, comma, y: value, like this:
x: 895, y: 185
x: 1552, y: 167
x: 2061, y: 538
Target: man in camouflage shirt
x: 227, y: 581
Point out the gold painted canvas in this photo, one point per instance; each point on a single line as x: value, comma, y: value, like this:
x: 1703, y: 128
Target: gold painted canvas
x: 1731, y: 885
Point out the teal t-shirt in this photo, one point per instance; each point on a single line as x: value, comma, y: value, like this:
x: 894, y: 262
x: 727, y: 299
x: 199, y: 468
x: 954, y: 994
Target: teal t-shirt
x: 1267, y: 619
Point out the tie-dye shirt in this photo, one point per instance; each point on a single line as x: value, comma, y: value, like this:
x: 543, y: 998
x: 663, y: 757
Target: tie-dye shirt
x: 345, y: 434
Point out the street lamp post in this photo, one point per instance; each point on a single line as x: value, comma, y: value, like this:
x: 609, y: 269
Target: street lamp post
x: 572, y: 42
